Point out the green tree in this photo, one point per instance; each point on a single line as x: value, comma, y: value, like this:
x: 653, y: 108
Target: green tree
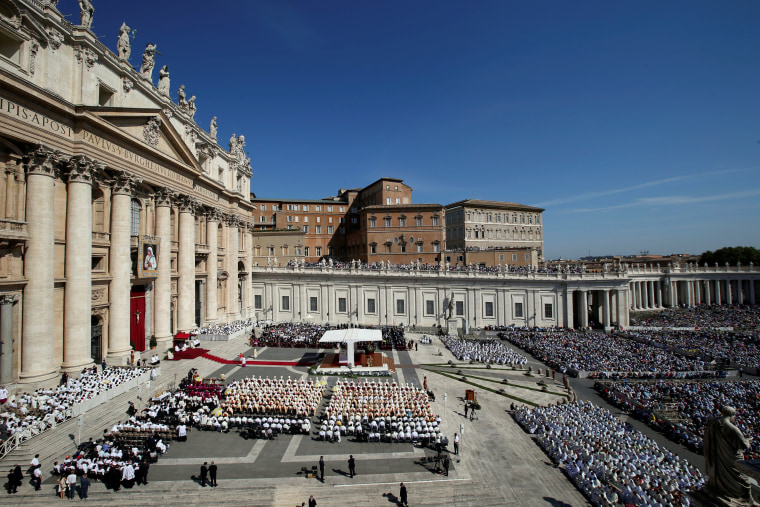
x: 731, y: 255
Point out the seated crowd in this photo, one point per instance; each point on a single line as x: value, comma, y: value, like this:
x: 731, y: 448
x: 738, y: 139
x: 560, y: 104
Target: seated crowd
x: 610, y: 462
x: 290, y: 334
x: 379, y: 411
x: 37, y: 411
x: 229, y: 328
x: 264, y: 396
x: 681, y: 409
x: 607, y: 355
x: 483, y: 351
x: 739, y: 317
x: 725, y: 348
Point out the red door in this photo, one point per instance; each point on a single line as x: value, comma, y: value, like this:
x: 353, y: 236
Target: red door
x: 137, y: 318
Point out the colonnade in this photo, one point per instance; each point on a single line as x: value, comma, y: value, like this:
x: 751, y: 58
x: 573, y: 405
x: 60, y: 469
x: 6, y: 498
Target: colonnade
x: 655, y: 294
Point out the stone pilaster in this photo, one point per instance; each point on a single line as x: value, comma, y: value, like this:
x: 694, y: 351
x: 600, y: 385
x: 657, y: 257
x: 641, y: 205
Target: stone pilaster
x: 248, y: 280
x: 163, y: 294
x: 77, y: 303
x: 6, y: 338
x: 37, y: 359
x: 120, y: 262
x: 186, y: 263
x: 213, y: 217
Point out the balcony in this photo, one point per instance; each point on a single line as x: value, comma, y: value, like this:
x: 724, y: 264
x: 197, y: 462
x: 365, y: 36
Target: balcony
x: 13, y: 229
x: 101, y: 238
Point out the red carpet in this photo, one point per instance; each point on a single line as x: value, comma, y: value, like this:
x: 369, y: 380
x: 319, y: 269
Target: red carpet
x: 256, y: 362
x: 189, y: 354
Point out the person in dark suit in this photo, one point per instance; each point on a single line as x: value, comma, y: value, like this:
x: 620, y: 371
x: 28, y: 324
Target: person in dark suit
x: 312, y: 501
x: 212, y: 474
x: 352, y: 466
x: 322, y: 468
x: 402, y: 495
x: 204, y: 473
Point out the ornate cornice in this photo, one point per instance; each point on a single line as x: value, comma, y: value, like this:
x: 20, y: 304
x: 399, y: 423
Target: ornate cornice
x: 232, y: 220
x: 8, y: 299
x: 42, y: 161
x: 124, y: 183
x: 165, y: 197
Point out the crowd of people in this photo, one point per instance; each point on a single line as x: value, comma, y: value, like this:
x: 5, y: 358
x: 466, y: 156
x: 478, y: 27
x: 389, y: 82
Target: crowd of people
x: 229, y: 328
x: 739, y: 317
x: 483, y: 351
x: 379, y: 411
x: 290, y: 334
x: 681, y: 409
x: 424, y: 266
x: 609, y: 462
x: 37, y: 411
x: 264, y: 396
x: 718, y: 347
x: 607, y: 355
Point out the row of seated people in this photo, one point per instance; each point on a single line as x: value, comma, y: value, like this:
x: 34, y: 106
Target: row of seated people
x: 113, y: 472
x: 413, y: 431
x: 378, y: 400
x: 264, y: 396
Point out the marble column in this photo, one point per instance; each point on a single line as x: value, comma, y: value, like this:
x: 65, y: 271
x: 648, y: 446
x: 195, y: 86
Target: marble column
x: 606, y: 309
x: 718, y: 298
x: 120, y: 262
x: 6, y: 338
x: 248, y: 289
x: 622, y: 308
x: 569, y: 308
x: 231, y: 260
x: 708, y: 297
x: 37, y: 359
x: 186, y: 263
x: 163, y: 284
x: 213, y: 217
x: 739, y: 292
x: 77, y: 302
x: 729, y: 295
x: 644, y: 295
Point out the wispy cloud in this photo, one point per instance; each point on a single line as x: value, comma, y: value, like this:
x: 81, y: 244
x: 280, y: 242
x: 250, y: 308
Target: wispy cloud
x: 671, y: 200
x: 647, y: 184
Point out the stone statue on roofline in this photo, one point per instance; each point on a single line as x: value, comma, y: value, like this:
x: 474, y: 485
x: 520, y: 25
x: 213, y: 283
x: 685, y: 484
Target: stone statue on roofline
x: 724, y: 446
x: 182, y: 98
x: 124, y: 46
x: 212, y: 130
x: 86, y: 10
x: 164, y: 84
x: 191, y: 106
x: 148, y: 61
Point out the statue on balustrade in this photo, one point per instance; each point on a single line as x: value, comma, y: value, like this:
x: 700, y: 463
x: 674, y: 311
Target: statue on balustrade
x: 724, y: 446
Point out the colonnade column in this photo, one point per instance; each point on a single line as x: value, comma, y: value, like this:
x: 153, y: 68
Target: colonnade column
x: 569, y: 308
x: 739, y: 292
x: 163, y: 293
x: 120, y: 263
x: 652, y: 300
x: 622, y: 308
x: 584, y: 308
x: 729, y: 296
x: 718, y: 297
x: 606, y: 308
x: 37, y: 358
x: 77, y: 302
x: 231, y: 258
x: 6, y: 338
x: 644, y: 295
x: 708, y: 297
x: 213, y: 217
x: 752, y: 292
x: 186, y: 263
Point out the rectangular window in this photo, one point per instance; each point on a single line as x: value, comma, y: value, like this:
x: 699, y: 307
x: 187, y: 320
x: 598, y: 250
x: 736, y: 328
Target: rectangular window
x: 290, y: 218
x: 342, y: 209
x: 501, y: 257
x: 387, y: 200
x: 371, y: 306
x: 317, y: 208
x: 527, y: 257
x: 387, y: 221
x: 435, y: 221
x: 489, y: 309
x: 519, y: 310
x: 429, y: 307
x: 318, y: 229
x: 341, y: 230
x: 313, y: 304
x: 460, y: 307
x: 402, y: 222
x: 341, y: 305
x: 514, y: 257
x: 399, y: 307
x: 306, y: 207
x: 298, y: 251
x: 306, y: 251
x: 419, y: 247
x: 403, y: 247
x: 419, y: 221
x: 318, y: 251
x: 435, y: 247
x: 329, y: 209
x: 319, y: 220
x: 548, y: 311
x: 257, y: 301
x: 329, y: 220
x: 271, y: 250
x: 373, y: 248
x: 330, y: 229
x: 306, y: 229
x: 372, y: 222
x: 263, y: 207
x: 285, y: 303
x: 398, y: 200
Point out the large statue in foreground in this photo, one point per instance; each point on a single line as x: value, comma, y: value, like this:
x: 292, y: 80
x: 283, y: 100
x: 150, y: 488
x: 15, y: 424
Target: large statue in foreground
x: 724, y: 445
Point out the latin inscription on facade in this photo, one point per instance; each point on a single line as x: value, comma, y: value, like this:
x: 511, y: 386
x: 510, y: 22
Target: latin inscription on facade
x: 17, y: 111
x: 134, y: 158
x: 205, y: 191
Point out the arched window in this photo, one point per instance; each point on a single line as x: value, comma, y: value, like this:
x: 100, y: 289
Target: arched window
x: 220, y: 236
x: 134, y: 222
x: 98, y: 211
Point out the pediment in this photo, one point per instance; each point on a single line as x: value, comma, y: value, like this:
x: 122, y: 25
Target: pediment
x: 153, y: 130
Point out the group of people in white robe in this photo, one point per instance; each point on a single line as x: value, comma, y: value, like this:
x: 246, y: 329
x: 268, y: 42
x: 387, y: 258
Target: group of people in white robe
x: 610, y: 462
x: 483, y: 351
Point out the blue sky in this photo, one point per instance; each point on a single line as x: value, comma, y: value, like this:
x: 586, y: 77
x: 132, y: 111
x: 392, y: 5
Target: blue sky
x: 634, y: 123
